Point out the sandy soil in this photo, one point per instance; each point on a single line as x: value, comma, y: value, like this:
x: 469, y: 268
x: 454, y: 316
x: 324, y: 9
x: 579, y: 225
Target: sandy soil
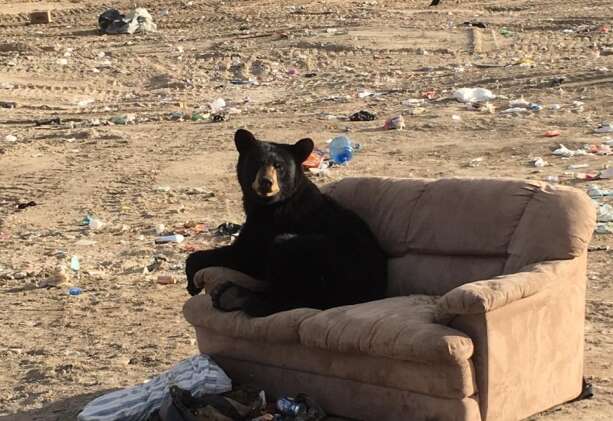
x: 58, y: 351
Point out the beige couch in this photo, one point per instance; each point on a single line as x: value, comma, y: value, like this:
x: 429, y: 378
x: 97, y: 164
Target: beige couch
x: 484, y: 319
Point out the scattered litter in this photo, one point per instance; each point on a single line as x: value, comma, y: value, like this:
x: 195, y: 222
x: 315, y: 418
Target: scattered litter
x: 473, y: 95
x: 567, y: 153
x: 475, y: 162
x: 538, y: 162
x: 605, y: 213
x: 414, y: 102
x: 552, y: 133
x: 577, y: 166
x: 362, y: 116
x: 601, y: 149
x: 8, y: 104
x: 515, y: 110
x: 341, y: 150
x: 219, y: 117
x: 594, y: 191
x: 606, y: 174
x: 228, y: 228
x: 314, y: 159
x: 218, y: 105
x: 519, y: 103
x: 505, y: 32
x: 431, y: 94
x: 74, y: 291
x: 166, y: 280
x: 10, y: 138
x: 456, y: 118
x: 175, y: 238
x: 25, y: 205
x: 365, y: 94
x: 200, y: 116
x: 199, y: 375
x: 123, y: 119
x: 75, y: 265
x: 552, y: 179
x: 396, y: 123
x: 604, y: 228
x: 604, y: 127
x: 137, y: 20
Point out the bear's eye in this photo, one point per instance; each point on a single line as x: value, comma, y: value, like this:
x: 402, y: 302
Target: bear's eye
x: 279, y: 166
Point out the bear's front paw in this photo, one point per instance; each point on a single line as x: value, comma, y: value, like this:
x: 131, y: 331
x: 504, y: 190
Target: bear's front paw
x: 192, y: 288
x: 229, y: 297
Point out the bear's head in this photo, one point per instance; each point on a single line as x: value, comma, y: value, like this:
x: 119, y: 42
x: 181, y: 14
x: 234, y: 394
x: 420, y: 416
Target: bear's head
x: 269, y: 172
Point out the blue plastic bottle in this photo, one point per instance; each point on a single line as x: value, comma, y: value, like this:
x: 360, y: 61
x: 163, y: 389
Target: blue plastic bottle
x: 341, y: 149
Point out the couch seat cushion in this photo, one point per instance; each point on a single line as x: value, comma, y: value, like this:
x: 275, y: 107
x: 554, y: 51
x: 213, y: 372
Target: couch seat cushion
x: 400, y: 327
x: 276, y: 328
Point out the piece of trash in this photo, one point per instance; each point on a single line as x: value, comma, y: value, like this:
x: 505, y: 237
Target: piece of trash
x: 431, y: 94
x: 505, y: 32
x: 365, y: 93
x: 75, y: 291
x: 601, y: 149
x: 554, y: 107
x: 288, y: 406
x: 159, y: 229
x: 123, y: 119
x: 29, y: 204
x: 557, y: 81
x: 567, y: 153
x: 535, y: 107
x: 605, y: 213
x: 84, y: 103
x: 414, y: 102
x: 481, y: 25
x: 218, y: 105
x: 606, y: 174
x: 604, y: 127
x: 228, y: 228
x: 341, y: 149
x: 199, y: 375
x: 40, y: 17
x: 8, y: 104
x: 604, y: 228
x: 10, y: 138
x: 467, y: 95
x: 577, y: 166
x: 137, y: 20
x: 552, y: 133
x: 175, y: 238
x: 594, y: 191
x: 396, y: 123
x: 475, y: 162
x: 456, y: 118
x: 515, y: 110
x: 166, y: 280
x: 55, y: 120
x: 75, y: 265
x: 95, y: 223
x: 218, y: 117
x: 552, y: 179
x: 526, y: 62
x: 292, y: 71
x: 362, y: 116
x: 538, y: 162
x: 200, y: 116
x: 314, y: 159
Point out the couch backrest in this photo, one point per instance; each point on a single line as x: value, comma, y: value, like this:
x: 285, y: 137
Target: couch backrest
x: 440, y: 234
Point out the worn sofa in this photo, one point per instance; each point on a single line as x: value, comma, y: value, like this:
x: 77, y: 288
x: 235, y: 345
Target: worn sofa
x: 484, y: 319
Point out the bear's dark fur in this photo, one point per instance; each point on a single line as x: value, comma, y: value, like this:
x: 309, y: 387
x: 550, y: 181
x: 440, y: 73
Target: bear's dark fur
x: 311, y: 251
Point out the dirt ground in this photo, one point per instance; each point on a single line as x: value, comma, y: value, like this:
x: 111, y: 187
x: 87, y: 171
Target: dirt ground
x: 310, y: 59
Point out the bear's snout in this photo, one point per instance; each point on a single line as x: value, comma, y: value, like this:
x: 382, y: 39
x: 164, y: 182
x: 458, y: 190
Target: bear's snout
x: 266, y: 182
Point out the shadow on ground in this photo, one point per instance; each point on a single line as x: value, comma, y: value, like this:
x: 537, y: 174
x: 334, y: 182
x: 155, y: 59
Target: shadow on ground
x: 62, y: 410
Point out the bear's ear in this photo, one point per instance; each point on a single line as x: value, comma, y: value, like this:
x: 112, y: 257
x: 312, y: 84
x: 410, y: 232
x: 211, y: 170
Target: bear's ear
x: 244, y: 140
x: 302, y: 149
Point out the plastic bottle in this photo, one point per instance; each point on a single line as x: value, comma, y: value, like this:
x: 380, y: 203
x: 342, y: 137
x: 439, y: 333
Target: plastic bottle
x: 175, y: 238
x: 288, y: 406
x: 74, y: 264
x: 341, y: 149
x: 74, y: 291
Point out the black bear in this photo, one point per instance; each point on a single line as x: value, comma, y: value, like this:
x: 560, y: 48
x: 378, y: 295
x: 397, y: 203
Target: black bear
x: 311, y: 251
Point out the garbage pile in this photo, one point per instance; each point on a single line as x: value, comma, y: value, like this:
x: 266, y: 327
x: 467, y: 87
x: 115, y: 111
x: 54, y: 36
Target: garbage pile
x: 137, y: 20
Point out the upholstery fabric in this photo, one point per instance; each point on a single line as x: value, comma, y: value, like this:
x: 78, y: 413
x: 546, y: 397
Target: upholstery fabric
x: 483, y: 296
x: 452, y: 380
x: 279, y: 327
x: 400, y: 327
x: 529, y: 352
x: 212, y: 276
x: 348, y: 398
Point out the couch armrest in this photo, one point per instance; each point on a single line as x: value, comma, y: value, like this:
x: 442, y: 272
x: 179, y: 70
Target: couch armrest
x: 483, y: 296
x: 210, y: 277
x: 528, y: 341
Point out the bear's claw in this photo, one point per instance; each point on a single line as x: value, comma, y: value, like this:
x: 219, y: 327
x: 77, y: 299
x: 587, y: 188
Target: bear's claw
x: 229, y: 297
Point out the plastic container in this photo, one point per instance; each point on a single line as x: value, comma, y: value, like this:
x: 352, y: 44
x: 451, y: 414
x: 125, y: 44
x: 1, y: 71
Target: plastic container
x: 288, y: 406
x: 74, y: 291
x: 74, y: 263
x: 341, y: 149
x: 175, y: 238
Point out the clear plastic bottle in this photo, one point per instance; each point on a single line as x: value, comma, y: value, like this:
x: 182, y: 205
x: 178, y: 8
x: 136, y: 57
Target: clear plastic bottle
x: 288, y: 406
x: 341, y: 149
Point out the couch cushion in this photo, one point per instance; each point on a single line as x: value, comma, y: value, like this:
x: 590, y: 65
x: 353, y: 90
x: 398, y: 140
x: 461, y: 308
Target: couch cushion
x: 401, y: 328
x: 279, y: 327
